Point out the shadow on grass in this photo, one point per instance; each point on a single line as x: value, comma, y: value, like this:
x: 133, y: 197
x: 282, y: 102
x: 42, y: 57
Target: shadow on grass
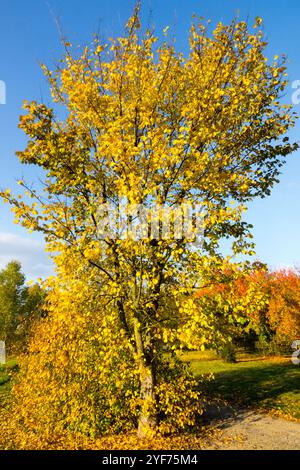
x: 269, y: 386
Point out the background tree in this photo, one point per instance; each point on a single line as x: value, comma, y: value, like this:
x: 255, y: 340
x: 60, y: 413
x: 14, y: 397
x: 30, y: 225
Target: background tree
x: 256, y: 309
x: 33, y: 309
x: 19, y: 305
x: 12, y: 296
x: 284, y: 307
x: 239, y: 301
x: 34, y: 300
x: 146, y: 123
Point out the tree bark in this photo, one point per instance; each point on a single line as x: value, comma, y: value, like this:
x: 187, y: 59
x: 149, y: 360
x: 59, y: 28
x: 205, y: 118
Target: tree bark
x: 147, y: 419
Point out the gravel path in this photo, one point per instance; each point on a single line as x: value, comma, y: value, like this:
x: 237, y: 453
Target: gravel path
x: 250, y: 430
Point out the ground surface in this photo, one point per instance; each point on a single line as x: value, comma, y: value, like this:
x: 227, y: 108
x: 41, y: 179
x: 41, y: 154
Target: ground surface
x: 250, y: 430
x: 247, y: 399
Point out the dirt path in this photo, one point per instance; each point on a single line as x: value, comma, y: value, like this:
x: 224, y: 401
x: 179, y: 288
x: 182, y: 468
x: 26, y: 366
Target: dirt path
x: 250, y: 430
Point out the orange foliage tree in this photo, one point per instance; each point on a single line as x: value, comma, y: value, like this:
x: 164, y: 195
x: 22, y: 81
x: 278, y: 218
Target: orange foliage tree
x: 238, y: 300
x: 284, y: 307
x: 259, y: 303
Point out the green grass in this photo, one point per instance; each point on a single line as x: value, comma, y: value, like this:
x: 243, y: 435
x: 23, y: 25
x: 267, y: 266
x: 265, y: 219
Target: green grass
x: 6, y: 372
x: 272, y: 384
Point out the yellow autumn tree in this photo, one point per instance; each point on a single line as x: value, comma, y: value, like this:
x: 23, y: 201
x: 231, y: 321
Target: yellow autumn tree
x: 143, y: 123
x: 79, y: 374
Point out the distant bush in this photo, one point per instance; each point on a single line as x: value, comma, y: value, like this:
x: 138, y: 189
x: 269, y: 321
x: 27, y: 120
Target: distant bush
x: 228, y: 353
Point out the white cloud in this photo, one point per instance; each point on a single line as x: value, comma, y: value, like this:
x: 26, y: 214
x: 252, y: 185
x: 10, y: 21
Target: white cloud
x: 29, y: 251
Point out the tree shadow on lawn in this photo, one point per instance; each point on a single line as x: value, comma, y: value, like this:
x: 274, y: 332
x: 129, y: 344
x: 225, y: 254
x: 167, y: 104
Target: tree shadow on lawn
x: 269, y: 386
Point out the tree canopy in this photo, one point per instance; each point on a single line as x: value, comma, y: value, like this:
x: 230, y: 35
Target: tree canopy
x: 19, y: 305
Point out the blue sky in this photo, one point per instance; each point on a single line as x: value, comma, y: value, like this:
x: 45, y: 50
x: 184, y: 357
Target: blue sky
x: 29, y: 35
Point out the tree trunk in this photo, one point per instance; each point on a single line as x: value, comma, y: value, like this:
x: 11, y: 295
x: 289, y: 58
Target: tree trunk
x: 147, y: 418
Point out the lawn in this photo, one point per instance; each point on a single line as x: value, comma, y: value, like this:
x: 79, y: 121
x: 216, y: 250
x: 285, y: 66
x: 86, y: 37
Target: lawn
x: 271, y: 384
x: 6, y: 372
